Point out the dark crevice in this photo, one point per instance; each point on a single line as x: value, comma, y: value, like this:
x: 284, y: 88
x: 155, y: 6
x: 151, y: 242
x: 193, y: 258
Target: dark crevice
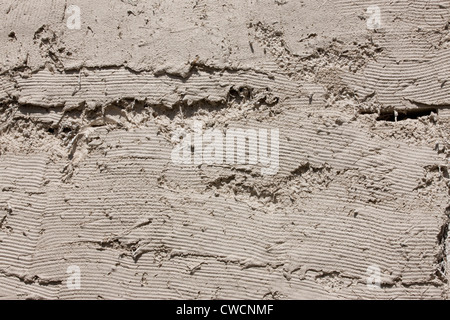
x: 303, y: 168
x: 441, y: 259
x: 443, y: 233
x: 400, y: 115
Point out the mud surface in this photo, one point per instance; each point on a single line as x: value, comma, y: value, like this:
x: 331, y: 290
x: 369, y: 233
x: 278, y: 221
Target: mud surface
x: 88, y: 181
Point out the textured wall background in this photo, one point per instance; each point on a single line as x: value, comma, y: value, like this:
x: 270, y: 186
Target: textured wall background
x: 86, y: 125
